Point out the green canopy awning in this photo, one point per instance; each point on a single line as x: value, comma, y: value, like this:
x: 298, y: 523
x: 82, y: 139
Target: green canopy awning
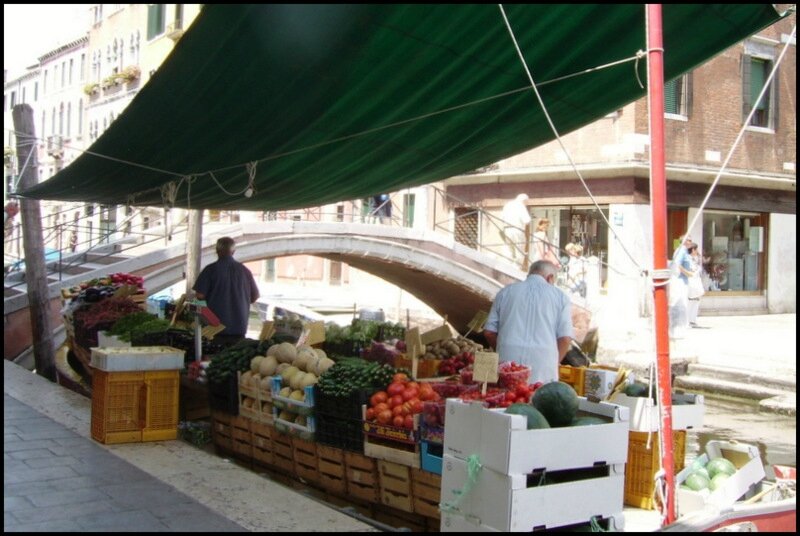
x: 330, y: 102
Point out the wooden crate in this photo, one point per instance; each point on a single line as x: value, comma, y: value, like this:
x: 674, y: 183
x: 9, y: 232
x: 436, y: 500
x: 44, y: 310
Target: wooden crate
x: 392, y: 451
x: 193, y: 400
x: 282, y: 453
x: 221, y: 433
x: 240, y: 435
x: 362, y: 477
x: 305, y: 460
x: 332, y: 473
x: 261, y: 440
x: 395, y: 485
x: 426, y: 490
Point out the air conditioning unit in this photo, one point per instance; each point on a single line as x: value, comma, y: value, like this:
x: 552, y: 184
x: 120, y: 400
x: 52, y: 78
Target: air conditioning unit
x: 175, y: 30
x: 55, y: 146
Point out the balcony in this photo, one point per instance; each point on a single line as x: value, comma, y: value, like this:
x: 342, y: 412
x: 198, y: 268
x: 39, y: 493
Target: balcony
x: 174, y: 30
x: 55, y: 146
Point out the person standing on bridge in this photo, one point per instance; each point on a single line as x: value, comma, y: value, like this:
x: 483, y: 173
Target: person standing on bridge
x: 531, y: 323
x: 229, y: 289
x: 516, y: 219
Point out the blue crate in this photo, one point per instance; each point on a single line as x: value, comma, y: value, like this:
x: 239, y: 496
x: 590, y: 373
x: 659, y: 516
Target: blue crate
x: 431, y: 457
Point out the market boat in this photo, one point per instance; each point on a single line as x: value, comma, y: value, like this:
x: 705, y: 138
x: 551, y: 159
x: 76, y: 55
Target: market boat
x: 774, y: 507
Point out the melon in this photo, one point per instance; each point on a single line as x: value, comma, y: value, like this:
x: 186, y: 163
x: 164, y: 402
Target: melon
x: 720, y: 465
x: 697, y: 482
x: 588, y: 421
x: 636, y: 389
x: 535, y: 419
x: 558, y: 402
x: 718, y: 481
x: 268, y: 366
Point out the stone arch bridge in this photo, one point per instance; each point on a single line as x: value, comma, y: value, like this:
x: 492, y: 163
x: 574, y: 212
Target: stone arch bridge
x: 453, y: 279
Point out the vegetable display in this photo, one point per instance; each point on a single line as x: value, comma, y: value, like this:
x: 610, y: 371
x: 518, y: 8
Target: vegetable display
x: 231, y: 360
x: 398, y: 404
x: 351, y: 374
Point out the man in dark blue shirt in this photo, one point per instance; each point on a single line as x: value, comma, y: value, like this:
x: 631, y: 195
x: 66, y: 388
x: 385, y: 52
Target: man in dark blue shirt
x: 228, y: 288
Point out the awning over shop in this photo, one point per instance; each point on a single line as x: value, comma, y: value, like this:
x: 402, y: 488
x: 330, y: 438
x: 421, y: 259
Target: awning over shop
x: 315, y: 104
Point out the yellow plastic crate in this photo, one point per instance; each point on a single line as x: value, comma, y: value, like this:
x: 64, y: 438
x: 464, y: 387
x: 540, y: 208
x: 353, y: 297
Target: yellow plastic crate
x: 643, y: 463
x: 129, y: 407
x: 573, y: 376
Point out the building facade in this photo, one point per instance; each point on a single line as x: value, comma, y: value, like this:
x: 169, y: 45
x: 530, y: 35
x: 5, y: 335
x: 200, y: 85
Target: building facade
x: 746, y: 232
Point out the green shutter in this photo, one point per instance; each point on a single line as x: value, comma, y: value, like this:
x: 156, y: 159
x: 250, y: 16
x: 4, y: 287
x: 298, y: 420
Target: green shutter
x: 746, y: 98
x: 671, y: 97
x: 757, y: 78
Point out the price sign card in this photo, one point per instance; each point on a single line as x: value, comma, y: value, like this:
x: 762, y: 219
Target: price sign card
x: 209, y: 332
x: 267, y: 330
x: 438, y: 334
x: 477, y: 322
x: 414, y: 346
x: 485, y: 367
x: 316, y: 333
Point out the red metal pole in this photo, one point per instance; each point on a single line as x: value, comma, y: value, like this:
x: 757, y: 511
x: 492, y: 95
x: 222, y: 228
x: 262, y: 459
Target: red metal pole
x: 658, y: 199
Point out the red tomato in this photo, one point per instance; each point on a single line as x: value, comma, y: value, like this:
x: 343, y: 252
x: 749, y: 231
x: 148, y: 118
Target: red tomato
x: 370, y: 414
x: 397, y: 410
x: 385, y: 417
x: 383, y: 406
x: 511, y: 397
x: 395, y: 388
x: 406, y: 409
x: 521, y: 390
x: 398, y: 421
x: 378, y: 397
x: 416, y: 405
x: 397, y: 400
x: 410, y: 392
x: 412, y: 384
x: 408, y: 422
x: 400, y: 377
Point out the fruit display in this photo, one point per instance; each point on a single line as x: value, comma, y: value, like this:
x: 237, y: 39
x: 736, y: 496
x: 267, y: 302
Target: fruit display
x: 350, y: 375
x: 558, y: 402
x: 449, y: 348
x: 402, y: 399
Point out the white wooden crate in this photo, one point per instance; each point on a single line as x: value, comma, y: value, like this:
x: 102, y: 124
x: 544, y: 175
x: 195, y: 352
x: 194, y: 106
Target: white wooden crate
x: 504, y: 444
x: 644, y: 415
x: 505, y: 502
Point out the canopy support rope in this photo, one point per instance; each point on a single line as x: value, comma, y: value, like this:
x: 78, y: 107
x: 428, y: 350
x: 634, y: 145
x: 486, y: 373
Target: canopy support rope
x: 558, y: 137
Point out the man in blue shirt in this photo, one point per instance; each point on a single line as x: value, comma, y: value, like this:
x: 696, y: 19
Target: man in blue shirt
x: 531, y: 323
x: 228, y: 288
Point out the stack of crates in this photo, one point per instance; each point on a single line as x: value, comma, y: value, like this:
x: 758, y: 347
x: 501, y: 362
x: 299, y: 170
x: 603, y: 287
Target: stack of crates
x: 522, y: 482
x: 130, y: 404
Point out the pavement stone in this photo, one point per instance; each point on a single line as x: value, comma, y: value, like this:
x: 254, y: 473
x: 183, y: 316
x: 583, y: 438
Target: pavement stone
x: 750, y: 357
x: 77, y: 484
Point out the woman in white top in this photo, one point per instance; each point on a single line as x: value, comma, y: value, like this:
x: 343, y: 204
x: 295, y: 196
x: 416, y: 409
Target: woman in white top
x: 543, y: 249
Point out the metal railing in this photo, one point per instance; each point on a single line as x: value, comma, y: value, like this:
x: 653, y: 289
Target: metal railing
x: 93, y: 237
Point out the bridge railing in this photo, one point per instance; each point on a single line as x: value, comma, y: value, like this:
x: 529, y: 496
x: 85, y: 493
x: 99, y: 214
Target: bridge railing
x: 71, y: 243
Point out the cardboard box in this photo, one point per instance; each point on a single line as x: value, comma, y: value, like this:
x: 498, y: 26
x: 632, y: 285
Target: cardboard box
x: 137, y: 358
x: 504, y: 444
x: 598, y: 381
x: 516, y: 503
x: 750, y: 471
x: 644, y: 415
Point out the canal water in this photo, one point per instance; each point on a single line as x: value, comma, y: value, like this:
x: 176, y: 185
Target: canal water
x: 734, y: 420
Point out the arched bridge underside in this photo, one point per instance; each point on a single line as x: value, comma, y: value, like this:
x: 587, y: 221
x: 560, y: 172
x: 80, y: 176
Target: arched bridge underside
x: 452, y: 279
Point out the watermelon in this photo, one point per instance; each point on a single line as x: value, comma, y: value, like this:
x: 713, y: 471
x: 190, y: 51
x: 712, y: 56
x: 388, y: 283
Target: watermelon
x: 718, y: 481
x: 557, y: 401
x: 535, y: 419
x: 636, y: 389
x: 720, y: 465
x: 587, y: 421
x: 697, y: 482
